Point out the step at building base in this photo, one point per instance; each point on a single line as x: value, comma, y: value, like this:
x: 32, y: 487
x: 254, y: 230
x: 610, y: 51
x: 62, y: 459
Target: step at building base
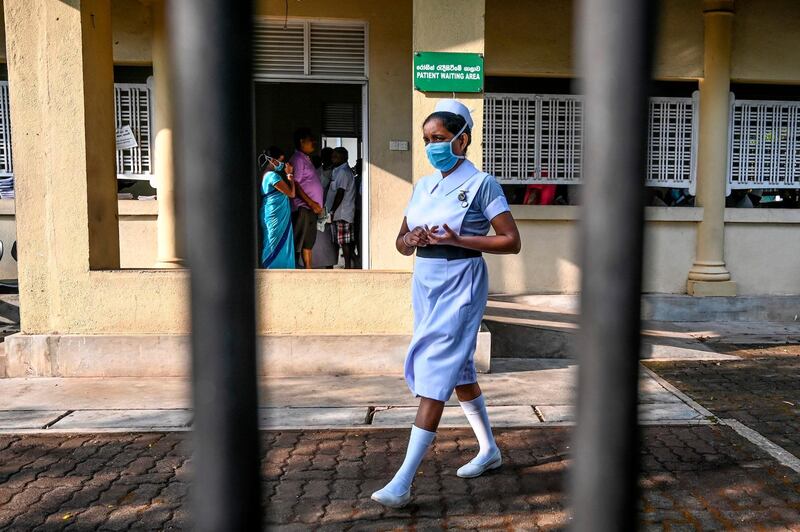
x: 168, y: 355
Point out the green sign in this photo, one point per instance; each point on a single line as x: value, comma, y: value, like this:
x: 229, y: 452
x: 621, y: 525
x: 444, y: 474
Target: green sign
x: 448, y: 72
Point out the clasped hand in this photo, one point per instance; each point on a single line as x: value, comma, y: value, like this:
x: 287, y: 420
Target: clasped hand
x: 430, y: 236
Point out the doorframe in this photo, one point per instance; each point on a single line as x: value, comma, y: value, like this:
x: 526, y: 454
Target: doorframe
x: 364, y: 249
x: 366, y: 218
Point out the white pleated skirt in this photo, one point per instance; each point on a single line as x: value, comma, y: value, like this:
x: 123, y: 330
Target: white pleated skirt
x: 448, y: 298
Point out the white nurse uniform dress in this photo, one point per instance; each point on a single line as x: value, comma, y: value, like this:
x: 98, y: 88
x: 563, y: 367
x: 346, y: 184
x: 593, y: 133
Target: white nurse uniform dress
x: 450, y: 284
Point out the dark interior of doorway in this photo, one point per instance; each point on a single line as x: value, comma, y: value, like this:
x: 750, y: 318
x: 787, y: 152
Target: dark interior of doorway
x: 281, y: 108
x: 331, y: 110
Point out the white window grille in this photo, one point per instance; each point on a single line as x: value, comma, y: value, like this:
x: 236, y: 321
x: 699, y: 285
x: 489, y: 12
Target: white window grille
x: 560, y: 139
x: 764, y: 144
x: 132, y: 107
x: 309, y: 49
x: 533, y: 138
x: 538, y: 138
x: 509, y: 130
x: 672, y: 142
x: 6, y: 165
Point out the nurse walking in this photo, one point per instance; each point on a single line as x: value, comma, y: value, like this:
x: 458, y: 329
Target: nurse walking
x: 447, y: 222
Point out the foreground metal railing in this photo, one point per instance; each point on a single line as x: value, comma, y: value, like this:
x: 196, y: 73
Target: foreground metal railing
x: 211, y: 45
x: 614, y: 51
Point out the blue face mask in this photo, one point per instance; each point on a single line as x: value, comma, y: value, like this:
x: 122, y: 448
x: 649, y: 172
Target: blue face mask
x: 278, y: 165
x: 440, y: 154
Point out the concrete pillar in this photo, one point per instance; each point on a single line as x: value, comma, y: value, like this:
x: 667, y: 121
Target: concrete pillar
x: 708, y: 275
x: 447, y: 26
x: 61, y: 80
x: 169, y: 255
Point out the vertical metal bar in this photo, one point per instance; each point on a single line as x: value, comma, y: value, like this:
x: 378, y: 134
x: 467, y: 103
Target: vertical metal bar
x: 614, y: 53
x: 211, y: 45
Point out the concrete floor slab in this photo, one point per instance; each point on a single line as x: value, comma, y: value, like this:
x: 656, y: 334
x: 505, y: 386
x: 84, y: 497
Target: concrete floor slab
x: 501, y: 389
x: 668, y: 412
x: 322, y: 401
x: 302, y: 418
x: 47, y: 393
x: 28, y: 419
x: 557, y: 413
x: 675, y: 411
x: 453, y: 416
x: 124, y: 419
x: 512, y: 382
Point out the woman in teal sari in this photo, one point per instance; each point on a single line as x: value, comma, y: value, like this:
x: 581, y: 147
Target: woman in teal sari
x: 275, y: 213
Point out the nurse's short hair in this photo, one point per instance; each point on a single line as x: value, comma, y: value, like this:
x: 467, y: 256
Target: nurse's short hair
x: 451, y: 122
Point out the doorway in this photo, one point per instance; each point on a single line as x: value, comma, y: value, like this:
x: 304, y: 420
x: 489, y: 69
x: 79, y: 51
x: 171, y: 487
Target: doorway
x: 335, y: 114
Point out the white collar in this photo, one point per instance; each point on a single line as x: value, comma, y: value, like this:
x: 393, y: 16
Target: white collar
x: 460, y: 176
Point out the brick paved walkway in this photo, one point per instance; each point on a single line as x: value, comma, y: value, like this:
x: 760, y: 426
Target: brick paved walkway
x: 695, y: 477
x: 762, y: 391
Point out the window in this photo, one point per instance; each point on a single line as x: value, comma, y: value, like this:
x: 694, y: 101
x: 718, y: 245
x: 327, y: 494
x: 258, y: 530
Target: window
x: 764, y: 145
x: 672, y: 142
x: 6, y: 166
x: 309, y: 49
x: 538, y: 138
x: 132, y: 107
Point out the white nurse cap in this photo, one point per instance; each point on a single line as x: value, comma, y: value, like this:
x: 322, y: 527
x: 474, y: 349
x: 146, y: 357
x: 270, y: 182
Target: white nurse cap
x: 455, y: 107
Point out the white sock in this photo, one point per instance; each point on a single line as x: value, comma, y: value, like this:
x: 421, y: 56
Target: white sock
x: 478, y: 418
x: 418, y: 444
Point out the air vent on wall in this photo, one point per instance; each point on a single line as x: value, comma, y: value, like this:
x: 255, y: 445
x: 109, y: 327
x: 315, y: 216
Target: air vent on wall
x: 278, y: 50
x: 309, y: 49
x: 337, y: 49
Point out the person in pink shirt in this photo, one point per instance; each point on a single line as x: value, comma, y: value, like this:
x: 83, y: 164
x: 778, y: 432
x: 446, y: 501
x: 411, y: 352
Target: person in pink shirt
x: 308, y: 202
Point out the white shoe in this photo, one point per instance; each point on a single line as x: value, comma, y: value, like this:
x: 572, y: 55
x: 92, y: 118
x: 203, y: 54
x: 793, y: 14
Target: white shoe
x: 392, y: 501
x: 472, y: 470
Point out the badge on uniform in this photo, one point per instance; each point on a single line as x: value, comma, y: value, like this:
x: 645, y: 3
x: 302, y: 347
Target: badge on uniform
x: 462, y: 197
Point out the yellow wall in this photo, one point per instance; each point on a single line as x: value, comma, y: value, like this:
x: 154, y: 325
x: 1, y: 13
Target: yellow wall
x: 155, y: 301
x: 528, y: 37
x: 761, y: 250
x: 549, y: 259
x: 62, y: 295
x: 766, y: 41
x: 2, y: 33
x: 669, y: 249
x: 55, y: 214
x: 389, y: 109
x: 465, y: 34
x: 548, y: 263
x: 132, y: 26
x: 679, y: 43
x: 534, y: 38
x: 138, y: 234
